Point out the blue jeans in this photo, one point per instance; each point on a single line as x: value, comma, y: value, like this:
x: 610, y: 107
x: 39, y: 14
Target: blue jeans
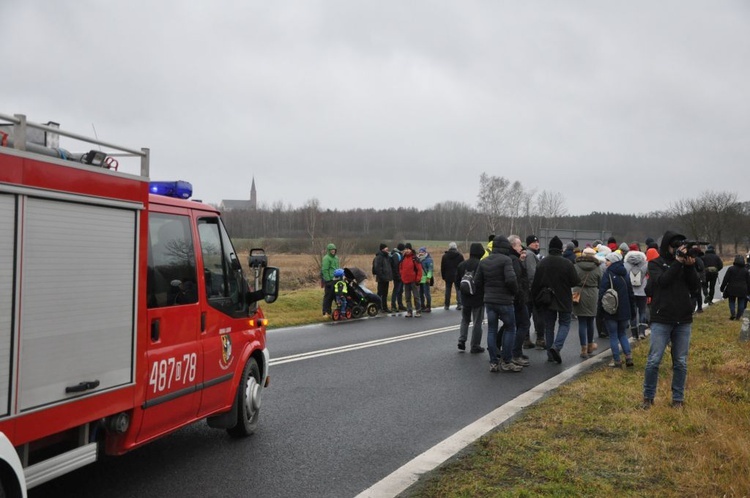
x: 397, y: 296
x: 505, y: 313
x: 661, y: 335
x: 618, y: 336
x: 550, y: 317
x: 586, y: 330
x: 424, y: 295
x: 741, y: 305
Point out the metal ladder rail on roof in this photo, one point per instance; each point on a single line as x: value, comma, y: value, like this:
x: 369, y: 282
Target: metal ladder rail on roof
x: 18, y: 141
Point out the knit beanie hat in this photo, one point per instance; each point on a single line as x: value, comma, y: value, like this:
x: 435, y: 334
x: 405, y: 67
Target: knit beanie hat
x: 624, y: 247
x: 555, y: 243
x: 614, y: 257
x: 531, y: 239
x: 383, y: 246
x: 452, y: 245
x: 423, y: 249
x: 634, y: 247
x: 589, y: 251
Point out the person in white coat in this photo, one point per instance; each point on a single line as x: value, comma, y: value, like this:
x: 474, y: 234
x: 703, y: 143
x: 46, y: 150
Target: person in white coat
x: 637, y: 268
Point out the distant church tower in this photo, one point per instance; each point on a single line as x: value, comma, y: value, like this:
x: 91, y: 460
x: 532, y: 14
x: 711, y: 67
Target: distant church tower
x: 253, y: 196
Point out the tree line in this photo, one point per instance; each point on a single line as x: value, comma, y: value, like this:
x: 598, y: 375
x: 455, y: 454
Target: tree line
x: 502, y: 207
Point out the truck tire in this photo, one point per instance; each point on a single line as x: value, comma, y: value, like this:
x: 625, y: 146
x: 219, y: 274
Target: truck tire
x: 248, y: 401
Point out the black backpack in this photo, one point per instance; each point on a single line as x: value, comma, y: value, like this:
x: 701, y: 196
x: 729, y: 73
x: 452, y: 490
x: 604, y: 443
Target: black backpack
x: 467, y: 285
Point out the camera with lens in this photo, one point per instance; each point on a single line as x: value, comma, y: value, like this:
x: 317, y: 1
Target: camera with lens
x: 692, y: 247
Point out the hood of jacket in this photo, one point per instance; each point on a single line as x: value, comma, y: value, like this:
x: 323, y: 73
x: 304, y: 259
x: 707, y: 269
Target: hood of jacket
x: 635, y: 258
x: 587, y: 262
x: 330, y: 246
x: 666, y: 240
x: 476, y: 250
x: 501, y: 244
x: 618, y: 268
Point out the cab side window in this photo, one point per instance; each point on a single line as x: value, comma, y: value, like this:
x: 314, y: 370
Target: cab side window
x: 172, y: 277
x: 225, y: 283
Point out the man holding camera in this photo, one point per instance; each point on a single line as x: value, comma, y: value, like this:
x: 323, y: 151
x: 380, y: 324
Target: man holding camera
x: 672, y: 280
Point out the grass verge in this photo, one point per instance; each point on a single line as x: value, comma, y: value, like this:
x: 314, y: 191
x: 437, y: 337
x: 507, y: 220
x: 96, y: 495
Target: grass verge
x: 590, y: 438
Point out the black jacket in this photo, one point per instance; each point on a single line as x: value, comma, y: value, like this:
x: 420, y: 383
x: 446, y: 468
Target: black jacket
x: 558, y: 273
x: 449, y: 264
x: 711, y: 259
x: 670, y: 284
x: 737, y: 279
x: 396, y: 258
x: 522, y: 276
x: 382, y: 267
x: 475, y: 253
x: 496, y: 275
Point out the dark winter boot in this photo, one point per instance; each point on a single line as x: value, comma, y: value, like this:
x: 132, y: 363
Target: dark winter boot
x: 634, y: 332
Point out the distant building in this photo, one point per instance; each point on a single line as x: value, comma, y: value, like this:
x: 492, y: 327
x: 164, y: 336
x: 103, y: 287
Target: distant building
x: 238, y: 205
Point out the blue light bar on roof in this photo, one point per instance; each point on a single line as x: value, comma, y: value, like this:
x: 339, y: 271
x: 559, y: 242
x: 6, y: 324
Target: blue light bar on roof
x: 178, y: 189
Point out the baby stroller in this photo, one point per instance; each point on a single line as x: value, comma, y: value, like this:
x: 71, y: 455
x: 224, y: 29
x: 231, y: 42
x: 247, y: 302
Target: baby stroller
x: 360, y: 299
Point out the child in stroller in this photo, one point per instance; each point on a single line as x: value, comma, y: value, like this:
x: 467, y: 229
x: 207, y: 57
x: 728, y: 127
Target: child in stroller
x: 359, y: 300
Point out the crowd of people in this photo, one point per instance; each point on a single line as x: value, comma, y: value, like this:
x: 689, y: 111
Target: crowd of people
x: 614, y: 290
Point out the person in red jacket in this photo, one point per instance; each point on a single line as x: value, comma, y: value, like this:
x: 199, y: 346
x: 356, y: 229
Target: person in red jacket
x: 410, y: 270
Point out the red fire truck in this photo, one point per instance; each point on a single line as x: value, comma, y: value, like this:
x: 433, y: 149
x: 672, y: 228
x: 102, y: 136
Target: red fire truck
x: 125, y: 313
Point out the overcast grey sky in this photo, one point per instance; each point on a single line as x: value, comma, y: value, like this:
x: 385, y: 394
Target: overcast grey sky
x: 619, y: 106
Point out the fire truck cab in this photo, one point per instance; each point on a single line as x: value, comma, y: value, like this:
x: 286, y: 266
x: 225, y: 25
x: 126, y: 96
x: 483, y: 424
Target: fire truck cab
x: 125, y: 312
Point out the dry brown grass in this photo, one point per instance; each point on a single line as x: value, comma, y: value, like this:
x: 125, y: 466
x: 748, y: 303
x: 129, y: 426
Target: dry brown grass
x: 590, y: 438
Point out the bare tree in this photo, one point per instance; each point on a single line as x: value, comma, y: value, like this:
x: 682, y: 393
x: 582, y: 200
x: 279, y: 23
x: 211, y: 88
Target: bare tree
x: 311, y: 211
x: 491, y: 199
x: 551, y: 206
x: 709, y: 216
x: 515, y: 201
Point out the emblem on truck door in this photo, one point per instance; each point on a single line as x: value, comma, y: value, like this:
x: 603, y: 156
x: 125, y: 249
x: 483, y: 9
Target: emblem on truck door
x: 226, y: 352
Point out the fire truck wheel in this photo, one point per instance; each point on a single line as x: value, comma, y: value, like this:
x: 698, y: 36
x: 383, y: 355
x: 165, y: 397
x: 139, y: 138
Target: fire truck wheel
x: 248, y: 401
x: 372, y: 309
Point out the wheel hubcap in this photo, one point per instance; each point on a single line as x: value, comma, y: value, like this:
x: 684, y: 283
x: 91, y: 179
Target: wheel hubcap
x: 252, y: 396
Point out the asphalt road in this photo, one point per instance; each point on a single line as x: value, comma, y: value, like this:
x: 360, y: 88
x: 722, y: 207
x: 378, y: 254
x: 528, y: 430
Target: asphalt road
x: 348, y: 404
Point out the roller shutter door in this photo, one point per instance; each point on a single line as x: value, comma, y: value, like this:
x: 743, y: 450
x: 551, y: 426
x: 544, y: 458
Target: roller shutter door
x: 77, y: 315
x: 7, y: 266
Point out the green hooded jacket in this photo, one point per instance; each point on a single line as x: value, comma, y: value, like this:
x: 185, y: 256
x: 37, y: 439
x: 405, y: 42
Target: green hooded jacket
x: 329, y: 264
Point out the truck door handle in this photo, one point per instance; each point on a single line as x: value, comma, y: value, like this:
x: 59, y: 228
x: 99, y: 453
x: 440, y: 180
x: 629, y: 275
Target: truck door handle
x: 82, y: 386
x: 155, y: 330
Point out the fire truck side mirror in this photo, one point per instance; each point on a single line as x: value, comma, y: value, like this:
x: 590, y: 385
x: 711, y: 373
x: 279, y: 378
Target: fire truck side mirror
x: 270, y: 283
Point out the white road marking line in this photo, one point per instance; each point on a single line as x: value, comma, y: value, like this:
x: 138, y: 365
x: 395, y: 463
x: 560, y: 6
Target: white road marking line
x: 399, y: 480
x: 362, y: 345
